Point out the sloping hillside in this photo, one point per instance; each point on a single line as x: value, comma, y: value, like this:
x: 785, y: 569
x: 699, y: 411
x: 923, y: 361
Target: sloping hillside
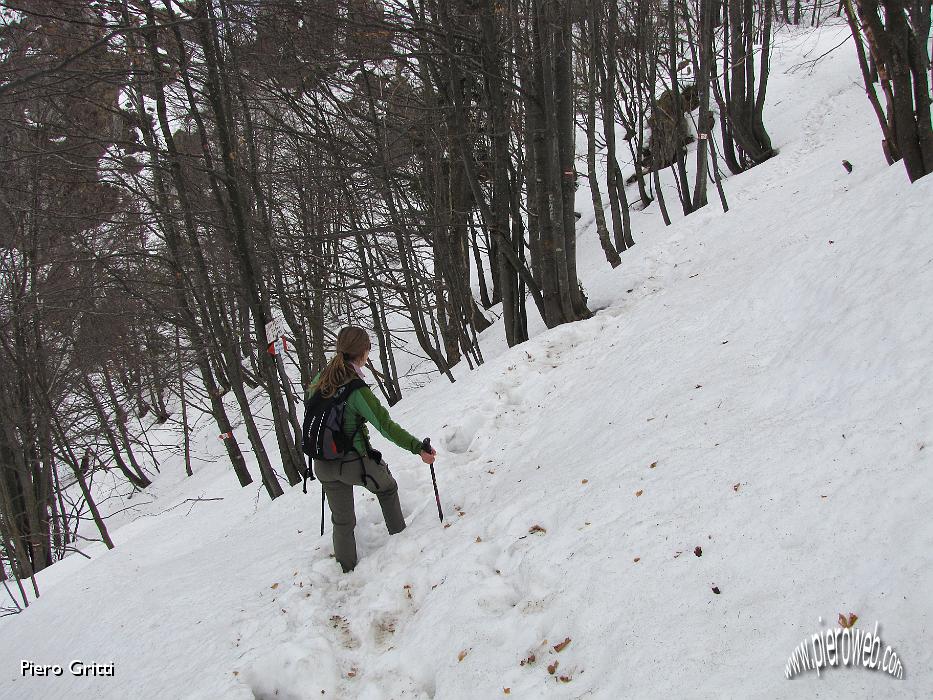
x: 757, y: 394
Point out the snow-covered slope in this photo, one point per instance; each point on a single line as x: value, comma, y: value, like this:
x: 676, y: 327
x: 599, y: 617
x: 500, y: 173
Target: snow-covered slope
x: 758, y: 384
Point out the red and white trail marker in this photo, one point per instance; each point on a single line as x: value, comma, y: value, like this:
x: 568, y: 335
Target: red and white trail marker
x: 275, y: 336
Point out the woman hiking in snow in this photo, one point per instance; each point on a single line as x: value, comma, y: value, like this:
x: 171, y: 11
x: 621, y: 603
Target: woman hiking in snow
x: 361, y: 465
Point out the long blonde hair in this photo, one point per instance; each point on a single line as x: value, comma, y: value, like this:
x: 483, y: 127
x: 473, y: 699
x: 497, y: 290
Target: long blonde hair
x: 352, y: 344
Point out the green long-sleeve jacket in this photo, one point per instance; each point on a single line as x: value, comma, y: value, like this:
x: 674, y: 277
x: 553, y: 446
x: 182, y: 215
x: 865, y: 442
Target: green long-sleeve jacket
x: 363, y: 407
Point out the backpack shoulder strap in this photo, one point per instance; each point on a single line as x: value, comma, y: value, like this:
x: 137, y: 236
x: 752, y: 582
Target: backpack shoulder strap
x: 355, y: 384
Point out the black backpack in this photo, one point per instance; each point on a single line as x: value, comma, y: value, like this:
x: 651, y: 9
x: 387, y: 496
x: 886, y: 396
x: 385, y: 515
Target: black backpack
x: 322, y: 433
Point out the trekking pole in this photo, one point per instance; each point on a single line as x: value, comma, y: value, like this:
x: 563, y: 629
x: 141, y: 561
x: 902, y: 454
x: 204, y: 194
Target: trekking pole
x: 322, y: 511
x: 426, y: 446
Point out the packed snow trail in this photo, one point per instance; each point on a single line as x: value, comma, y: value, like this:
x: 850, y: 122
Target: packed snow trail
x: 757, y: 384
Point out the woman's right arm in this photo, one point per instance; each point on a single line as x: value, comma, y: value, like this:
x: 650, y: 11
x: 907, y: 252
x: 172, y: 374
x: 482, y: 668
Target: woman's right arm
x: 368, y: 406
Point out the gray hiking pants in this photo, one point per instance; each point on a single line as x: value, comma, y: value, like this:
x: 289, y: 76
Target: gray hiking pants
x: 338, y: 477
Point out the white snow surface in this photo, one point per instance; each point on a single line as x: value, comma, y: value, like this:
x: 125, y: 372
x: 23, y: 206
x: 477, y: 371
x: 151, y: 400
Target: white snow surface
x: 757, y: 383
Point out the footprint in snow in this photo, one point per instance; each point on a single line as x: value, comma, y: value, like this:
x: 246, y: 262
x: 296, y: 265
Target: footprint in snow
x: 342, y: 626
x: 383, y: 628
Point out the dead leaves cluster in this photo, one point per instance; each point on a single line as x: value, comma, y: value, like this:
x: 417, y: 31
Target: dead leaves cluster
x: 553, y: 665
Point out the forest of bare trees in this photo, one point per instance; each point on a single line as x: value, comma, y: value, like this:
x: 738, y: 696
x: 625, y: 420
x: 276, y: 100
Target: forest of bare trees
x: 177, y: 174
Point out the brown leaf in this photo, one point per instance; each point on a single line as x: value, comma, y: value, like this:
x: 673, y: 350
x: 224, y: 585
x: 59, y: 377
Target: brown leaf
x: 553, y: 667
x: 843, y: 622
x: 506, y: 690
x: 735, y: 487
x: 530, y: 659
x: 462, y: 654
x: 698, y: 551
x: 639, y: 492
x: 479, y: 539
x: 652, y: 465
x: 236, y: 673
x: 535, y: 528
x: 585, y: 481
x: 274, y: 586
x: 564, y: 679
x: 562, y: 645
x: 637, y: 559
x: 716, y: 590
x: 446, y: 525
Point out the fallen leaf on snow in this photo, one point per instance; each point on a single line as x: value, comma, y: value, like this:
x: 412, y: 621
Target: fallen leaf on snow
x: 479, y: 539
x: 698, y: 551
x: 562, y: 645
x: 637, y: 559
x: 639, y: 492
x: 274, y: 586
x: 535, y: 528
x: 735, y: 487
x: 564, y: 679
x: 553, y: 667
x: 462, y: 654
x: 585, y: 481
x: 506, y: 690
x: 847, y: 624
x: 652, y: 465
x: 716, y: 590
x: 530, y: 659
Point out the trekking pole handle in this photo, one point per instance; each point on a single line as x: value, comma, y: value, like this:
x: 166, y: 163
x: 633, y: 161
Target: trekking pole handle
x: 426, y: 445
